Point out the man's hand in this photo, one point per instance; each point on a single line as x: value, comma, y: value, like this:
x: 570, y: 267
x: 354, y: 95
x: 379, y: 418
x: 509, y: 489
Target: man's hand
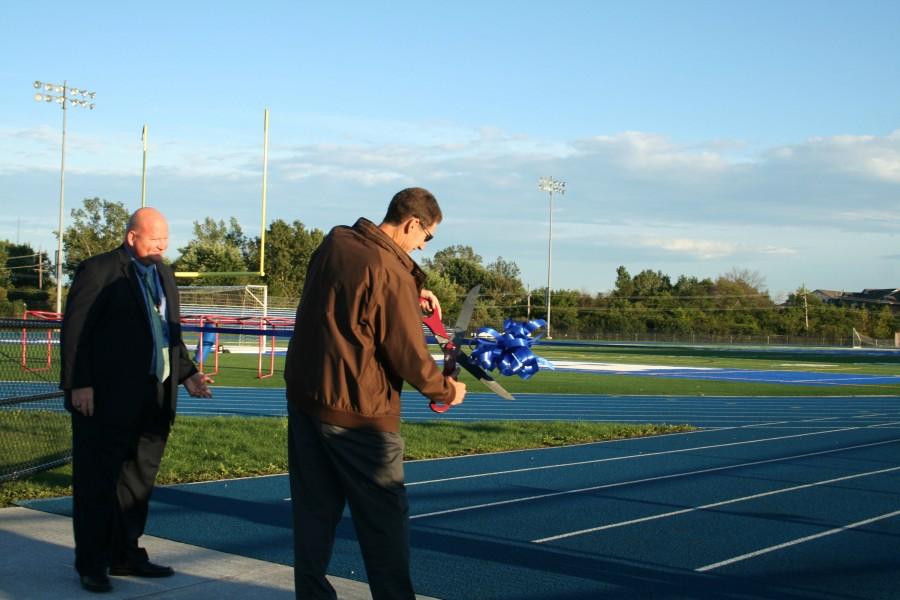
x: 196, y: 385
x: 83, y: 401
x: 459, y: 391
x: 429, y: 303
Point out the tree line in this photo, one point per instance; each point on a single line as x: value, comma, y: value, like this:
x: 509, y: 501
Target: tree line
x: 646, y: 304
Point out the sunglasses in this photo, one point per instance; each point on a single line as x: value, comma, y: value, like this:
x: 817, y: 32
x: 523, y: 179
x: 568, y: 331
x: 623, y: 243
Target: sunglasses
x: 428, y: 236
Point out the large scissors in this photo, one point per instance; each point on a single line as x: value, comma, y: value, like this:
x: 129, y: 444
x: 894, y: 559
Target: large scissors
x: 453, y: 355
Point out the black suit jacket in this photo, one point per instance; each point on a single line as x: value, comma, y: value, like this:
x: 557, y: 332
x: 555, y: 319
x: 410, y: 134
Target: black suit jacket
x: 106, y: 340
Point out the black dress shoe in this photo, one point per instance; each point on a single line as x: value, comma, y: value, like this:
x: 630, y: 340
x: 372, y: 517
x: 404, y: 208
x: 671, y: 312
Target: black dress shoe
x: 96, y: 583
x: 144, y: 569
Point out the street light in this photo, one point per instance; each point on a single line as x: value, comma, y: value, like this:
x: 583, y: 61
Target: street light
x: 550, y: 185
x: 65, y: 96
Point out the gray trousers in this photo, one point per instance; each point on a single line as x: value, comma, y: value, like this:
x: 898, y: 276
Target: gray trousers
x: 331, y: 466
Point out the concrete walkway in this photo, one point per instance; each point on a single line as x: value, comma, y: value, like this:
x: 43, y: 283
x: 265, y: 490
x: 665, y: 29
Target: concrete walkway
x: 36, y: 557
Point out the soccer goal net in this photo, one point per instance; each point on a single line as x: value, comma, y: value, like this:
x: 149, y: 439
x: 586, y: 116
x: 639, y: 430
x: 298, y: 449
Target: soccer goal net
x: 218, y: 302
x: 861, y: 340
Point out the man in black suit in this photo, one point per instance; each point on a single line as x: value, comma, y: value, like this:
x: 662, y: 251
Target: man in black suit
x: 122, y: 360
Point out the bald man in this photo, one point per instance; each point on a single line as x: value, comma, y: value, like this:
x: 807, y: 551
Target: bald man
x: 122, y: 361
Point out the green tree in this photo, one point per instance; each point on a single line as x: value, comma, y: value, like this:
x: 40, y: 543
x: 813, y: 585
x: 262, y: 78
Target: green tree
x: 624, y: 283
x: 505, y: 292
x: 450, y: 295
x: 96, y: 227
x: 564, y: 313
x: 884, y: 324
x: 795, y: 310
x: 288, y: 250
x: 216, y: 248
x: 650, y: 284
x: 461, y: 265
x: 7, y: 309
x: 502, y: 291
x: 25, y: 277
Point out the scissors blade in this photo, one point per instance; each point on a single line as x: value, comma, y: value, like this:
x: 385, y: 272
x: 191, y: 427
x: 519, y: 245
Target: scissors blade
x: 465, y: 313
x: 443, y: 340
x: 466, y: 362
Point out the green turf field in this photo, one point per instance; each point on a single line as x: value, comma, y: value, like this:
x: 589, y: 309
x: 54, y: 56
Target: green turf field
x: 241, y: 370
x: 727, y: 357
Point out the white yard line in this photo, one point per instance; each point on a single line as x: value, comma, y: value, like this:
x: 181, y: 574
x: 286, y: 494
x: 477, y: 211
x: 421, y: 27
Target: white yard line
x: 643, y: 455
x: 571, y: 365
x: 683, y: 511
x: 644, y: 480
x: 795, y: 542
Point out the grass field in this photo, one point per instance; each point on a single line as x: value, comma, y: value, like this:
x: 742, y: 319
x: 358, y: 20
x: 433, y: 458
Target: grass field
x: 210, y: 448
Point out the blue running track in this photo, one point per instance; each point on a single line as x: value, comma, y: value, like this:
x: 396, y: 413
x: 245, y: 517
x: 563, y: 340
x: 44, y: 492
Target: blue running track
x: 791, y: 497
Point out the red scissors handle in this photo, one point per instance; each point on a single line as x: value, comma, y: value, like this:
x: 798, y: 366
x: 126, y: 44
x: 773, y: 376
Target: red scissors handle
x: 454, y: 356
x: 443, y: 339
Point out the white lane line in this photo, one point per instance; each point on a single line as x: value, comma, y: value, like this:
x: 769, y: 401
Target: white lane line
x: 796, y: 542
x: 683, y: 511
x: 607, y: 486
x: 642, y: 455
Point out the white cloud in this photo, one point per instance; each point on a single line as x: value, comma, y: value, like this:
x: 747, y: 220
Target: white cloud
x: 881, y: 216
x: 638, y: 151
x: 635, y: 196
x: 366, y: 177
x: 700, y: 248
x: 778, y: 250
x: 870, y: 157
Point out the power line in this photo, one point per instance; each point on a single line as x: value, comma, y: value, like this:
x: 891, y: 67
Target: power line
x: 24, y: 266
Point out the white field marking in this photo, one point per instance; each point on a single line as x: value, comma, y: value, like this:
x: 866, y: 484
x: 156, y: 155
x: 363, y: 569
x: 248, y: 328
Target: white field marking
x: 582, y: 407
x: 645, y: 480
x: 811, y: 365
x: 631, y: 456
x: 598, y: 443
x: 796, y: 542
x: 568, y: 365
x: 587, y: 404
x: 683, y: 511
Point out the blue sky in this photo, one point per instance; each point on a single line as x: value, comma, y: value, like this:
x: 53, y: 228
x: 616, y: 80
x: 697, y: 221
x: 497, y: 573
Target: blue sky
x: 694, y: 137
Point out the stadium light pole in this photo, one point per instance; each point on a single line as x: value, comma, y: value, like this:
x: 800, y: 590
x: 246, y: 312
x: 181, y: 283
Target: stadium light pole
x: 144, y: 142
x: 550, y: 185
x: 65, y: 96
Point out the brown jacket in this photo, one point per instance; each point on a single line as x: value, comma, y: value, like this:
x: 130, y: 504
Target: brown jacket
x: 358, y: 333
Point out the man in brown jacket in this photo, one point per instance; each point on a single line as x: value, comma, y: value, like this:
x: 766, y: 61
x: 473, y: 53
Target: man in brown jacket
x: 358, y: 337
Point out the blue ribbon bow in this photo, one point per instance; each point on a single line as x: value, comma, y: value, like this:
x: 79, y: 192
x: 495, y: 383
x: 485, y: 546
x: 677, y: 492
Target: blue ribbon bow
x: 509, y: 352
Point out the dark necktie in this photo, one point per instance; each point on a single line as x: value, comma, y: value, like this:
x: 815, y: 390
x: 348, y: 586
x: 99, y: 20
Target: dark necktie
x: 156, y: 325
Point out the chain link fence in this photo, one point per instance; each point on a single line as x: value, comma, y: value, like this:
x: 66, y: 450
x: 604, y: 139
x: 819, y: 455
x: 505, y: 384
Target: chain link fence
x: 35, y: 431
x: 713, y: 339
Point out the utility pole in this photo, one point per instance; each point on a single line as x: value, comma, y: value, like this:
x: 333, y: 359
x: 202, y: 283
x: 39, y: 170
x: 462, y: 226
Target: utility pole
x: 528, y: 313
x: 144, y: 143
x: 805, y: 311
